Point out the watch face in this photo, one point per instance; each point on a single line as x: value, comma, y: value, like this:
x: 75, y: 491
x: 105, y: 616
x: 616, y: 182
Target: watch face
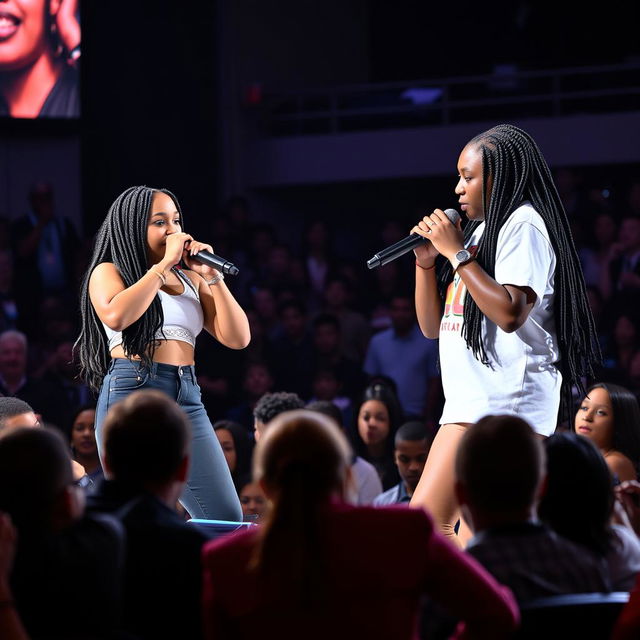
x: 463, y: 255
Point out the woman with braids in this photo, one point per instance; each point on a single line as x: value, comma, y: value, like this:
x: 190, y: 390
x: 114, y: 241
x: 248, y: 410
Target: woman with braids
x: 515, y: 332
x: 141, y: 314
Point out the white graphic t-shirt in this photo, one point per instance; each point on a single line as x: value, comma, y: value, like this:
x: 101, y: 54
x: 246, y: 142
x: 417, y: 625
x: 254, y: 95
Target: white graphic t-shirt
x: 522, y: 377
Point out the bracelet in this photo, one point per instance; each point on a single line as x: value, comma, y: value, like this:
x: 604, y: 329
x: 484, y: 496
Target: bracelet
x: 215, y: 279
x: 433, y: 266
x: 160, y: 275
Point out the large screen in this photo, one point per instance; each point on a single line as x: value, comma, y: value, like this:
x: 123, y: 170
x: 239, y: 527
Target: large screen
x: 39, y: 59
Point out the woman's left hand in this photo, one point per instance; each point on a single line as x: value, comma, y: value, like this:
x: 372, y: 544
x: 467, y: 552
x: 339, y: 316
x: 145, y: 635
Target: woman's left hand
x: 204, y: 270
x: 67, y: 23
x: 446, y: 237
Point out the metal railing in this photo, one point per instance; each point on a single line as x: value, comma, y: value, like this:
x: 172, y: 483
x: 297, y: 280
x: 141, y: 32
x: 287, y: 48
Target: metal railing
x: 506, y: 94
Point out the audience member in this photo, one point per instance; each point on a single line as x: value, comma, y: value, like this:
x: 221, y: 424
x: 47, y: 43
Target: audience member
x: 622, y: 347
x: 291, y: 355
x: 578, y: 504
x: 354, y: 329
x: 60, y: 376
x: 327, y: 342
x: 321, y: 568
x: 328, y: 388
x: 318, y: 259
x: 262, y: 238
x: 220, y: 371
x: 162, y: 571
x: 403, y: 354
x: 377, y: 419
x: 412, y: 444
x: 258, y: 380
x: 500, y: 475
x: 620, y: 275
x: 609, y: 416
x: 252, y: 499
x: 236, y: 446
x: 16, y: 413
x: 594, y: 257
x: 83, y: 441
x: 12, y: 313
x: 365, y: 482
x: 59, y: 547
x: 45, y: 245
x: 280, y: 275
x: 16, y: 381
x: 272, y: 405
x: 265, y: 305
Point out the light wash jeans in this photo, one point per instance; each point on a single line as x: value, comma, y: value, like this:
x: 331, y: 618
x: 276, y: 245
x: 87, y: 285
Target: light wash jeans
x: 209, y: 493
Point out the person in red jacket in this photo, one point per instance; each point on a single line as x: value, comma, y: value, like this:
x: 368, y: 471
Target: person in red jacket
x: 319, y: 568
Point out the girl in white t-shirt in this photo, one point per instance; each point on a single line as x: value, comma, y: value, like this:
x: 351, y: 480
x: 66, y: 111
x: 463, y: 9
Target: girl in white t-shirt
x: 515, y: 330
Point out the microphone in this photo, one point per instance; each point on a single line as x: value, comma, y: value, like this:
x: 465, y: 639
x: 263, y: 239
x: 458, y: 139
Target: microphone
x: 212, y: 260
x: 405, y: 245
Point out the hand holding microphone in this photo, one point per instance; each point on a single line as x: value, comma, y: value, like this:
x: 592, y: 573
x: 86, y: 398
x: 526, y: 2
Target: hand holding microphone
x: 434, y: 234
x: 202, y: 255
x: 196, y: 255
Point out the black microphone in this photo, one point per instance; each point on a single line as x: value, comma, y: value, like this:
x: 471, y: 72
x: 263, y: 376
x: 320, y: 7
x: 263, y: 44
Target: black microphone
x: 406, y: 244
x: 211, y: 259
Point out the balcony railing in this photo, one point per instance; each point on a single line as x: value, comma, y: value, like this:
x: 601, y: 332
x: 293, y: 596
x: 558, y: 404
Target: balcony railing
x: 502, y: 95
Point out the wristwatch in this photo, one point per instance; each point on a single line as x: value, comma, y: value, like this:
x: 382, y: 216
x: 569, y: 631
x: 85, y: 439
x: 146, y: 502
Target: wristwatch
x: 462, y: 257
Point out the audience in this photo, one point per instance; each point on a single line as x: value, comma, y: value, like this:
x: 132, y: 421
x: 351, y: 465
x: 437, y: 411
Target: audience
x: 402, y: 353
x: 500, y: 476
x: 15, y: 379
x: 291, y: 355
x: 253, y: 500
x: 377, y: 418
x: 609, y: 416
x: 60, y: 549
x: 162, y: 579
x: 38, y: 375
x: 365, y: 483
x: 236, y: 446
x: 317, y: 567
x: 578, y: 504
x: 83, y: 441
x: 46, y: 245
x: 258, y: 380
x: 328, y: 355
x: 620, y: 275
x: 16, y: 413
x: 272, y: 405
x: 412, y: 444
x: 354, y: 329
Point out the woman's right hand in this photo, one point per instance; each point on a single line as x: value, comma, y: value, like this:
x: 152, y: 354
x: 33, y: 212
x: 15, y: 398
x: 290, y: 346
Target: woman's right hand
x: 174, y: 248
x: 426, y: 253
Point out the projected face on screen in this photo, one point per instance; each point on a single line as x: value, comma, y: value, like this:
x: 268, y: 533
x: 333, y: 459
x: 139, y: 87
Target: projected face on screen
x: 39, y: 58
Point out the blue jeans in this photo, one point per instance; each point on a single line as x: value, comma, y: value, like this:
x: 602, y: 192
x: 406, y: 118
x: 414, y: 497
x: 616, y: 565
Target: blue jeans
x: 209, y: 493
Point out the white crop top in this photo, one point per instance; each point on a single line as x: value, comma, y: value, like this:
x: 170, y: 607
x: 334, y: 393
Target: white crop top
x: 183, y: 316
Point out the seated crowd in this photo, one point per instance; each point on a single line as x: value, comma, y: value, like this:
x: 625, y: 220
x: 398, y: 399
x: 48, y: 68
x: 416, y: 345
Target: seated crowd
x: 548, y: 518
x: 326, y: 421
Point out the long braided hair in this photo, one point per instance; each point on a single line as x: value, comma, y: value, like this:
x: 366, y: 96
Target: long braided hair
x: 514, y: 170
x: 121, y: 239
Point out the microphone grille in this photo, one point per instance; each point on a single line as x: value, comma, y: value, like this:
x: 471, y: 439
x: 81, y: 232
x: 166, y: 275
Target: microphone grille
x: 453, y: 215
